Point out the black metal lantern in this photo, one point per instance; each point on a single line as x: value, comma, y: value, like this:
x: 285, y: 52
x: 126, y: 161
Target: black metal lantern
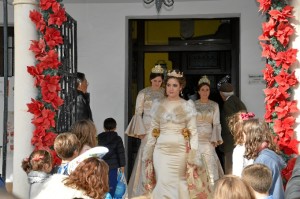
x: 158, y: 3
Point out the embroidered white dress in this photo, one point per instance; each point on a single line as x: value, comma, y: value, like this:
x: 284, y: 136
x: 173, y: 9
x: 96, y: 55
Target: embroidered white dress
x: 139, y: 125
x: 168, y: 151
x: 209, y: 130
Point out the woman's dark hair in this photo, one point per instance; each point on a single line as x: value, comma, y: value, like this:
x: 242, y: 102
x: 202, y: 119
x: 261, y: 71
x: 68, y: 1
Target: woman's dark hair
x: 109, y: 124
x: 154, y: 75
x: 202, y: 84
x: 80, y: 77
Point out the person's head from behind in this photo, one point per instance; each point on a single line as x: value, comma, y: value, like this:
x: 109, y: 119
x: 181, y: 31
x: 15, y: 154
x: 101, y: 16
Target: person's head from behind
x: 156, y: 77
x: 226, y: 90
x: 86, y: 132
x: 81, y: 82
x: 39, y: 160
x: 67, y: 146
x: 90, y: 176
x: 110, y: 124
x: 232, y: 187
x: 175, y: 83
x: 259, y: 177
x: 235, y: 124
x: 258, y: 137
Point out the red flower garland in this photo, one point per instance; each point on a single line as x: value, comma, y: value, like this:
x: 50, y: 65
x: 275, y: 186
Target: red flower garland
x: 44, y: 107
x: 280, y: 80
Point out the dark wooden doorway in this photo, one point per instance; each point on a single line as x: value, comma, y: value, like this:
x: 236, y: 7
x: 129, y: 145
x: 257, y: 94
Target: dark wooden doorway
x: 215, y: 55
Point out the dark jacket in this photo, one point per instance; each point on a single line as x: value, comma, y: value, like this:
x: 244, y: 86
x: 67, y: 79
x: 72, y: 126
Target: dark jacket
x: 231, y: 106
x: 115, y: 157
x: 83, y: 106
x: 293, y: 186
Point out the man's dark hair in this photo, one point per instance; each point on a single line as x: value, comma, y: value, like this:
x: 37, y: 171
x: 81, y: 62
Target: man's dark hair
x: 109, y: 124
x: 80, y: 78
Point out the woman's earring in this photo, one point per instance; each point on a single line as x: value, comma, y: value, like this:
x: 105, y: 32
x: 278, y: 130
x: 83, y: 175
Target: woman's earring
x: 181, y: 94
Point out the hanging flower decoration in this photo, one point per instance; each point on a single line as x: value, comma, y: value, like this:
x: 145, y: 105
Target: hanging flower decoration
x: 280, y: 79
x: 45, y: 72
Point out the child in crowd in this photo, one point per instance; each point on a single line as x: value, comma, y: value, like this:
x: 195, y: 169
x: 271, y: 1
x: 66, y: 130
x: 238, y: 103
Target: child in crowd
x: 38, y: 167
x: 89, y: 180
x: 232, y: 187
x: 86, y: 132
x: 235, y: 124
x: 259, y: 177
x: 66, y: 146
x: 260, y: 146
x: 115, y: 158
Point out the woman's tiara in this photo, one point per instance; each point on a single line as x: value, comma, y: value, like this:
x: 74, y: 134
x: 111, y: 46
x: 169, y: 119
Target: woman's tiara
x: 173, y: 73
x: 204, y: 79
x: 157, y: 69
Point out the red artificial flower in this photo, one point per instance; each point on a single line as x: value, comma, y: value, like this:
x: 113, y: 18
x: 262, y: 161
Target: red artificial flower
x: 278, y: 128
x: 36, y: 139
x: 284, y: 78
x: 50, y: 84
x: 283, y: 15
x: 48, y: 139
x: 288, y: 170
x: 288, y: 145
x: 53, y: 37
x: 286, y: 58
x: 268, y: 50
x: 264, y: 5
x: 272, y: 95
x: 46, y: 120
x: 284, y: 108
x: 283, y: 33
x: 55, y: 159
x: 288, y: 123
x: 38, y: 20
x: 268, y: 30
x: 36, y: 72
x: 50, y: 60
x: 283, y: 91
x: 269, y: 75
x: 46, y: 4
x: 38, y: 48
x: 35, y: 107
x: 268, y: 116
x: 58, y: 18
x: 49, y: 89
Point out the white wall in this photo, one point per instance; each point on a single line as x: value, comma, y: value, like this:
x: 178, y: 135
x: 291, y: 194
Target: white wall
x: 102, y: 50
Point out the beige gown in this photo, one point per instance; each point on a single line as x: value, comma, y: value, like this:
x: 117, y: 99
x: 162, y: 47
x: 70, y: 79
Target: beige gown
x: 169, y: 154
x: 209, y: 130
x: 139, y: 125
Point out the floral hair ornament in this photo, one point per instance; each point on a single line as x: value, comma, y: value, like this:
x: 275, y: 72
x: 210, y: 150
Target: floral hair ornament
x: 37, y: 158
x: 173, y: 73
x: 157, y: 69
x: 204, y: 79
x: 247, y: 116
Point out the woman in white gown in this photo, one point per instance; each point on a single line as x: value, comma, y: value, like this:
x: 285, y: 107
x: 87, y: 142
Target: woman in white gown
x: 166, y: 147
x: 209, y: 130
x: 140, y: 123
